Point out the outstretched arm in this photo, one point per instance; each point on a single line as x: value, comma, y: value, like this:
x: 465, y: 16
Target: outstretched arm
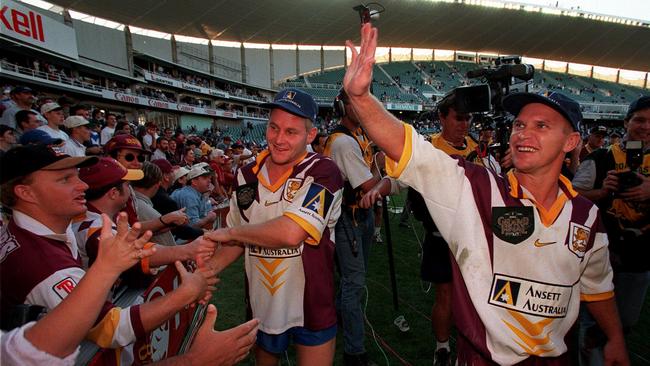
x: 280, y: 232
x: 55, y: 333
x: 211, y: 347
x: 382, y: 127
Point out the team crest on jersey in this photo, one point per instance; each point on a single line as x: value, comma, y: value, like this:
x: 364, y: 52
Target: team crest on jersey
x: 8, y: 243
x: 578, y: 239
x: 513, y: 224
x: 291, y: 188
x: 64, y: 287
x: 246, y: 195
x: 317, y: 202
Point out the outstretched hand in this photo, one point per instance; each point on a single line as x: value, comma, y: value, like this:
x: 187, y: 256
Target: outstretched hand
x: 124, y: 249
x: 232, y: 345
x: 198, y: 285
x: 358, y: 76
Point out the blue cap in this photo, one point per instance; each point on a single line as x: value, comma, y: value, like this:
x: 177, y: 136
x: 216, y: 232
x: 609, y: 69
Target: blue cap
x: 294, y: 101
x: 567, y: 107
x: 38, y: 137
x: 637, y: 105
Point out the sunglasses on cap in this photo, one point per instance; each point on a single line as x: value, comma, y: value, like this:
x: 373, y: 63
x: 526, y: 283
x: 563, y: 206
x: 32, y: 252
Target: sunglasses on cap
x: 130, y: 157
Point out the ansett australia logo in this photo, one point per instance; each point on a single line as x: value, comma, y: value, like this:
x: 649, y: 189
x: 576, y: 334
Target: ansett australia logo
x: 530, y: 297
x: 317, y: 202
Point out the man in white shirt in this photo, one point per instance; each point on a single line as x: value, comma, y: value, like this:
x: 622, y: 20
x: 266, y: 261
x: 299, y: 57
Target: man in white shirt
x: 79, y: 133
x: 109, y: 130
x: 53, y: 113
x: 162, y: 147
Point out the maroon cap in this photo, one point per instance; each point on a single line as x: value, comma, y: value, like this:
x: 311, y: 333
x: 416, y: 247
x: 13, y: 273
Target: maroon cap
x: 107, y: 172
x: 124, y: 142
x: 24, y: 160
x: 164, y: 165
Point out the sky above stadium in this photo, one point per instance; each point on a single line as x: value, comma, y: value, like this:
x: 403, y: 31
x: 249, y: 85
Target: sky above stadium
x: 634, y: 9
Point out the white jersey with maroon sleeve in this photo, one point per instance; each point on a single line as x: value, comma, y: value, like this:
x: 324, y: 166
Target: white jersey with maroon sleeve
x: 520, y: 271
x: 40, y: 267
x: 294, y: 286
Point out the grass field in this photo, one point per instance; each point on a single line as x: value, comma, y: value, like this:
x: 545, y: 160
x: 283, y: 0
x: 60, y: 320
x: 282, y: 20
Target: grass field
x: 390, y: 346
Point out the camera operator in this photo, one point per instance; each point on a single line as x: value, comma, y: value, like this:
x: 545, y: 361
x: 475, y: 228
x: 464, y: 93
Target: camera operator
x: 349, y: 147
x: 622, y: 192
x: 527, y: 248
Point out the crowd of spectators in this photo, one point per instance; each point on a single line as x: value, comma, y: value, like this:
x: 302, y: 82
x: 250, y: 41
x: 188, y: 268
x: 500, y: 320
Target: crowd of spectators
x: 170, y: 182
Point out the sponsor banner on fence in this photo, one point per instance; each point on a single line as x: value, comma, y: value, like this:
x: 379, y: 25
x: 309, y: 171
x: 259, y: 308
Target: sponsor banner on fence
x: 155, y: 103
x: 183, y: 85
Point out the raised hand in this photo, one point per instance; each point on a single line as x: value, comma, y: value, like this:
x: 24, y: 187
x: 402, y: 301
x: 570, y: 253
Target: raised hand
x: 122, y: 250
x: 210, y: 275
x: 223, y: 348
x: 358, y: 76
x: 195, y: 285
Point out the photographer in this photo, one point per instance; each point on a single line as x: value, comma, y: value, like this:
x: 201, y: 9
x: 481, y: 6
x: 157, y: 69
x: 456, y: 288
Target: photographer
x: 622, y: 192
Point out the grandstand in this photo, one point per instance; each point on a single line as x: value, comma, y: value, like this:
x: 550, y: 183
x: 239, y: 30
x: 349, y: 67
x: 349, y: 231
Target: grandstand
x: 210, y: 67
x: 416, y: 82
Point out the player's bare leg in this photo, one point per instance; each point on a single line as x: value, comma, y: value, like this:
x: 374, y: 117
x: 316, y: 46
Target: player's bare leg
x: 321, y: 355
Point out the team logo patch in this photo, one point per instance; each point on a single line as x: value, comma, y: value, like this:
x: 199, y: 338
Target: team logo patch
x: 290, y: 95
x: 530, y: 297
x: 578, y: 239
x: 246, y: 195
x: 8, y: 243
x: 513, y: 224
x: 64, y: 287
x: 317, y: 202
x: 291, y: 188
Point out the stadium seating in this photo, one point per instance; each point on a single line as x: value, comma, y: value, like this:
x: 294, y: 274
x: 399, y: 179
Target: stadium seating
x: 406, y: 81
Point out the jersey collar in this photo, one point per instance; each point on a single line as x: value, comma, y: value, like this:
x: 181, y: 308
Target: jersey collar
x: 549, y: 216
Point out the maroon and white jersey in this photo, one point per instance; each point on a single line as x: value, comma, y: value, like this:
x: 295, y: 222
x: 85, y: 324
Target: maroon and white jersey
x: 290, y: 287
x: 40, y: 267
x: 520, y: 270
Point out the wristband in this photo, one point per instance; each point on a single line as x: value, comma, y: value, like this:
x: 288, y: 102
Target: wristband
x: 144, y: 262
x: 161, y: 221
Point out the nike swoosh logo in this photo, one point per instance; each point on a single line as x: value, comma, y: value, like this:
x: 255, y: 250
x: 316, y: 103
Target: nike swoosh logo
x: 540, y: 244
x: 267, y: 203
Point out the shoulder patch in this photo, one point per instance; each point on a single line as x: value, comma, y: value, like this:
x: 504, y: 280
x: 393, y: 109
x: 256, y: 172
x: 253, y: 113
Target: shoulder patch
x: 64, y: 287
x: 318, y: 200
x: 246, y: 195
x: 8, y: 243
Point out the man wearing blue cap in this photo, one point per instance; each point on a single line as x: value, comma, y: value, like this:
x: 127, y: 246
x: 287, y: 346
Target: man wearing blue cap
x: 282, y: 217
x: 527, y: 248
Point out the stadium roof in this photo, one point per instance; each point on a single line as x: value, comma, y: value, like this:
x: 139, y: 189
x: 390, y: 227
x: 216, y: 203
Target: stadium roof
x: 406, y: 23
